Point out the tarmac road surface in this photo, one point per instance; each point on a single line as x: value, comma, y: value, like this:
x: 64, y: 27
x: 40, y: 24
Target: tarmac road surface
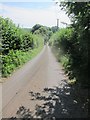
x: 41, y: 72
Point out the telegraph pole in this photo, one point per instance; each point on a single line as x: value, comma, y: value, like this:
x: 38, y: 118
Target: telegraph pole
x: 57, y: 24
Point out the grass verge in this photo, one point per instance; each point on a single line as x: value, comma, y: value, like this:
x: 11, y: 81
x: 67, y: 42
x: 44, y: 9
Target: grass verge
x: 15, y: 60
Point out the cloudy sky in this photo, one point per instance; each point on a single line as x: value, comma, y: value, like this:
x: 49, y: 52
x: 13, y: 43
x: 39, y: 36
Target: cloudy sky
x: 29, y: 13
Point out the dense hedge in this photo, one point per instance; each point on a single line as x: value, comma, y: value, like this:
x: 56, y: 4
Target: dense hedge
x: 17, y: 58
x: 14, y: 38
x: 73, y: 41
x: 18, y: 46
x: 72, y: 53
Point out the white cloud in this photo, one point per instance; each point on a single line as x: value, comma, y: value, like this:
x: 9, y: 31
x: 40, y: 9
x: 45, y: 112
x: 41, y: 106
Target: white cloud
x: 25, y: 0
x: 29, y: 17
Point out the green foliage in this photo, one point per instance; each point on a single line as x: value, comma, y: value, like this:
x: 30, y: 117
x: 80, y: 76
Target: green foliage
x: 72, y: 53
x: 27, y: 41
x: 15, y: 38
x: 10, y: 36
x: 61, y: 39
x: 54, y: 29
x: 72, y: 43
x: 61, y: 42
x: 44, y: 31
x: 16, y: 59
x: 36, y: 27
x: 18, y: 46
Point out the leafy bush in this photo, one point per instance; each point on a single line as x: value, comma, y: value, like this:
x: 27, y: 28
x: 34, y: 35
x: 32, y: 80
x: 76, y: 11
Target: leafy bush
x: 16, y: 59
x: 15, y: 38
x: 18, y: 46
x: 71, y: 51
x: 74, y: 41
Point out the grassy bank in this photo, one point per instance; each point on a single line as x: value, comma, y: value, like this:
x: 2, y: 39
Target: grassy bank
x: 16, y: 59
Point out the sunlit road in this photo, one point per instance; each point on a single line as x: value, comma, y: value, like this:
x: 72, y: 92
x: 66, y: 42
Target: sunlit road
x: 43, y: 71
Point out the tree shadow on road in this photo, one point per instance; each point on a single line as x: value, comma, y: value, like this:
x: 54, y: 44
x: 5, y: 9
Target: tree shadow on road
x: 58, y: 102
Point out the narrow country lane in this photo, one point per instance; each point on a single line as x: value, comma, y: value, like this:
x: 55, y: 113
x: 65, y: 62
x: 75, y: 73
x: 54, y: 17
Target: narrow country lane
x: 34, y: 84
x: 41, y: 72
